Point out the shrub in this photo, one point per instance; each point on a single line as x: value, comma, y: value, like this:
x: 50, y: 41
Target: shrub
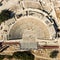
x: 23, y: 55
x: 5, y: 15
x: 54, y: 54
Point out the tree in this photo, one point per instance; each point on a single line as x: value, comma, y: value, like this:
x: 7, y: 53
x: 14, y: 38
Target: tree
x: 0, y: 4
x: 6, y: 14
x: 54, y: 54
x: 1, y: 57
x: 26, y: 55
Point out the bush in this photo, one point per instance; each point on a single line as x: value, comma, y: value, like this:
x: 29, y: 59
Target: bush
x: 26, y: 55
x: 23, y: 55
x: 1, y: 57
x: 54, y: 54
x: 5, y: 15
x: 1, y: 4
